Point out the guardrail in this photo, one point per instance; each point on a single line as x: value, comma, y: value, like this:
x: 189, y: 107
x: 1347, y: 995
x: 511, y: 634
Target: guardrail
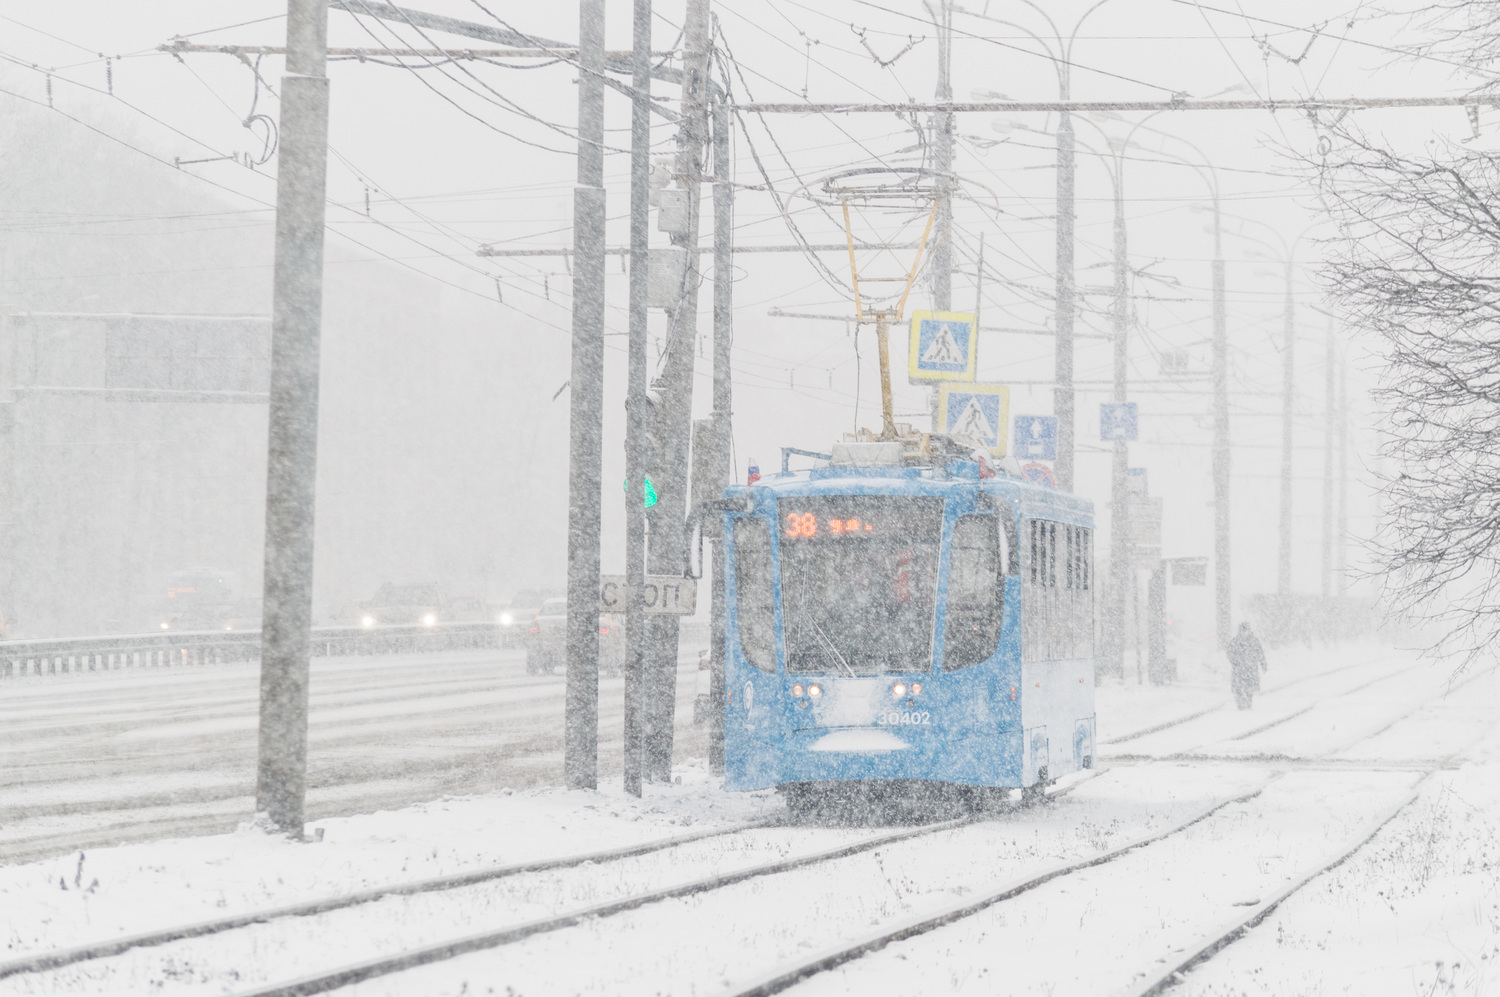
x: 213, y: 647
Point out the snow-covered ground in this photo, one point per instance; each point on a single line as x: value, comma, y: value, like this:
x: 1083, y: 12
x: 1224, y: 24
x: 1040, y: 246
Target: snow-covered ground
x: 1336, y: 740
x: 92, y: 759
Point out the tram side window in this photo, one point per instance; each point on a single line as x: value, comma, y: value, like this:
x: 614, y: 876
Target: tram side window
x: 752, y: 592
x: 972, y: 628
x: 1039, y: 595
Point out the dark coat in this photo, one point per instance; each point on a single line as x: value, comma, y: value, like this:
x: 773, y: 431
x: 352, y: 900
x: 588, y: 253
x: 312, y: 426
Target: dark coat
x: 1246, y: 661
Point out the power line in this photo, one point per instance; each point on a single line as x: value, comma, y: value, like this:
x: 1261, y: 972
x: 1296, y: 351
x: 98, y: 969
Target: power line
x: 1081, y: 106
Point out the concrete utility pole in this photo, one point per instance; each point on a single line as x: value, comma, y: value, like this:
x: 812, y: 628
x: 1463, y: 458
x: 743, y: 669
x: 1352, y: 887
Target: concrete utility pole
x: 9, y: 535
x: 671, y: 429
x: 722, y: 412
x: 1288, y: 385
x: 1122, y: 572
x: 586, y: 411
x: 1329, y: 408
x: 1343, y: 522
x: 1223, y: 587
x: 292, y: 464
x: 1223, y: 595
x: 942, y: 161
x: 635, y: 397
x: 1063, y: 399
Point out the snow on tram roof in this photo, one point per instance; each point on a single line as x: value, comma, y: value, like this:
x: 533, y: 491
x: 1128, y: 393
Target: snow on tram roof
x: 1034, y: 499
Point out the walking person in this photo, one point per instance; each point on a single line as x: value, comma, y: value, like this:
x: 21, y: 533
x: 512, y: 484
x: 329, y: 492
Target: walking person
x: 1246, y: 661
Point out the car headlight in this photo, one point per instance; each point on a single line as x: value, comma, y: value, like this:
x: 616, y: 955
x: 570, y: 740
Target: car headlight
x: 428, y: 619
x: 506, y: 619
x: 367, y: 620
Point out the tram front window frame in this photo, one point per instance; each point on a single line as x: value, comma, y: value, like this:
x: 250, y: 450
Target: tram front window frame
x: 859, y: 601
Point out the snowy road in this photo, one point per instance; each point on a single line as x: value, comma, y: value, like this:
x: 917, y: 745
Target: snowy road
x: 1239, y: 805
x: 99, y: 758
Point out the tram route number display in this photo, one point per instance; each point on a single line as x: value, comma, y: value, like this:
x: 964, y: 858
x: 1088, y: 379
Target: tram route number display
x: 664, y: 595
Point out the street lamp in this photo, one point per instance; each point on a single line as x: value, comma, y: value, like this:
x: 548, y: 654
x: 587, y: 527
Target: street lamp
x: 1060, y: 52
x: 1286, y: 256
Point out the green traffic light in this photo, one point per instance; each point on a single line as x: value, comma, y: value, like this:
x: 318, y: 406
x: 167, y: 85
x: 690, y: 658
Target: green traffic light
x: 651, y: 497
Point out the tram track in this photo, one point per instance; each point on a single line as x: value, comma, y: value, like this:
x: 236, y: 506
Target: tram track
x: 1191, y: 754
x: 788, y: 977
x: 448, y: 949
x: 1226, y: 936
x: 58, y: 958
x: 1196, y: 714
x: 62, y: 958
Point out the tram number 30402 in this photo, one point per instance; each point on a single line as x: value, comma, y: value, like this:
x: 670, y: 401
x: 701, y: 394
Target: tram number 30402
x: 911, y: 717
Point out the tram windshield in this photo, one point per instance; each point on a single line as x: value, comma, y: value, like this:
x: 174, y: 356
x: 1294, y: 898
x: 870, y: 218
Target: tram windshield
x: 859, y: 582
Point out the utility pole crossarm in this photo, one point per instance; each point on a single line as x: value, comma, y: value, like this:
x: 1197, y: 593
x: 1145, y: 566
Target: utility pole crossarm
x: 179, y: 46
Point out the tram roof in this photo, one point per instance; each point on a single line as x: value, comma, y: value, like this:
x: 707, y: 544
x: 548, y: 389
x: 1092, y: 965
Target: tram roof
x: 1031, y: 499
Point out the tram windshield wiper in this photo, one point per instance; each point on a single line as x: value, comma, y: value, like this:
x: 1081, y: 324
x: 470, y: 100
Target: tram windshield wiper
x: 829, y: 645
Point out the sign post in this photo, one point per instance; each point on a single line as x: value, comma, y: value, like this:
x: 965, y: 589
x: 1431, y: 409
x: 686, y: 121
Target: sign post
x: 662, y: 595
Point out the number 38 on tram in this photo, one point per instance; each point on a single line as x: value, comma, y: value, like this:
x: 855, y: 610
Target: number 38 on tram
x: 906, y: 625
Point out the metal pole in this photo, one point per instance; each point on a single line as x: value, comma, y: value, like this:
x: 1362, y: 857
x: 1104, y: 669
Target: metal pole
x: 1062, y: 394
x: 1284, y: 534
x: 1329, y: 407
x: 1119, y: 512
x: 1221, y: 458
x: 635, y: 398
x: 942, y: 127
x: 292, y: 461
x: 586, y: 411
x: 722, y: 412
x: 887, y: 408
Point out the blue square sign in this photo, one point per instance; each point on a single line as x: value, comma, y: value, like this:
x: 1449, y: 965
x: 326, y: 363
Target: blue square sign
x: 1117, y: 421
x: 1036, y: 437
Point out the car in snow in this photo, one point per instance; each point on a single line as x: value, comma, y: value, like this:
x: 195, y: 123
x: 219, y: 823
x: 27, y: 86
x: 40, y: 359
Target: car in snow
x: 197, y: 599
x: 243, y: 615
x: 469, y: 609
x: 405, y: 605
x: 515, y: 616
x: 547, y: 640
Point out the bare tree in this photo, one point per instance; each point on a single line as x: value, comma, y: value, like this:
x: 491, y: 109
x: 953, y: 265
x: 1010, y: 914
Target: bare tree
x: 1418, y: 264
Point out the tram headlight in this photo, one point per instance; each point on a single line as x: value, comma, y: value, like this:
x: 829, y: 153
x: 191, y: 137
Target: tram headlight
x: 814, y: 691
x: 898, y: 690
x: 916, y: 688
x: 796, y: 690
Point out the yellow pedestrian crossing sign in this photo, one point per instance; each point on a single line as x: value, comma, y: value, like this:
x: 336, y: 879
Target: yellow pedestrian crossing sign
x: 942, y: 346
x: 977, y: 412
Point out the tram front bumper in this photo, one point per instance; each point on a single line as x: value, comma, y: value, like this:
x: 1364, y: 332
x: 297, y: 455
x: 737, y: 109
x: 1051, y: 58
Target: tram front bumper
x: 848, y: 754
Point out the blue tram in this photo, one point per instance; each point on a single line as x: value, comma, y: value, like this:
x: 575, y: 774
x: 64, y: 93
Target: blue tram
x: 907, y: 624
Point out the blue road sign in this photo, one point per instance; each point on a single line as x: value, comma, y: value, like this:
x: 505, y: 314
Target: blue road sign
x: 1117, y: 421
x: 1036, y: 437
